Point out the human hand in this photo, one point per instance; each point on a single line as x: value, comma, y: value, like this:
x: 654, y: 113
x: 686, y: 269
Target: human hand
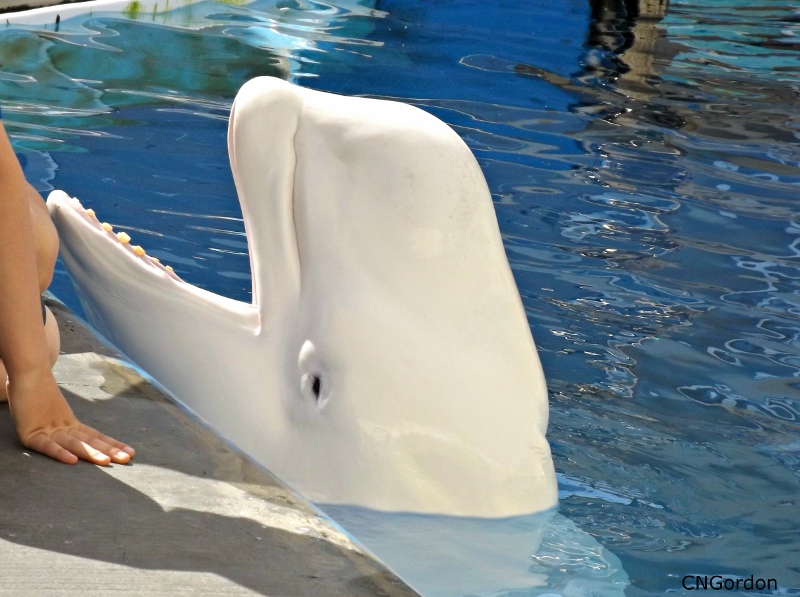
x: 45, y: 423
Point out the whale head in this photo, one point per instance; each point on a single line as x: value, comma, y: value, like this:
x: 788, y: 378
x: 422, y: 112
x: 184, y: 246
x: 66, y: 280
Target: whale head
x: 386, y: 360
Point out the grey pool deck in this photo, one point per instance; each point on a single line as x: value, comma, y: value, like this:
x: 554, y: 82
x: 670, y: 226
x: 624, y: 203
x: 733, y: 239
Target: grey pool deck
x: 189, y: 516
x: 17, y: 5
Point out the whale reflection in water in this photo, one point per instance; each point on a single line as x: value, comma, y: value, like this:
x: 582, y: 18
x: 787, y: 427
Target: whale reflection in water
x: 521, y: 556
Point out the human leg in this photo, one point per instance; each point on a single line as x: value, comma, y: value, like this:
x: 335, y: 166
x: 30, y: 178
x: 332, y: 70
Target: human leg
x: 43, y: 420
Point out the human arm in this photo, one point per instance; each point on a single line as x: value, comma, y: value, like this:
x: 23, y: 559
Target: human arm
x: 42, y: 417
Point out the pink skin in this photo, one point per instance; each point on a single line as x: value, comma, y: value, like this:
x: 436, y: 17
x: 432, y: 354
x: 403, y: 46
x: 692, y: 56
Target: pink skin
x: 28, y: 249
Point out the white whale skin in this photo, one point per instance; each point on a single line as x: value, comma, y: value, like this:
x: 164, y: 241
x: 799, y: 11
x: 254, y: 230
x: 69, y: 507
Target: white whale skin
x: 386, y: 360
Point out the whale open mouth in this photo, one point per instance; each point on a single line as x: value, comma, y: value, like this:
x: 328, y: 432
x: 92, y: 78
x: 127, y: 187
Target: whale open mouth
x: 261, y: 134
x: 103, y: 237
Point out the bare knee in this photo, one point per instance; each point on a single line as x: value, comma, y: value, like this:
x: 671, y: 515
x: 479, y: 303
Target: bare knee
x: 3, y: 379
x: 53, y: 337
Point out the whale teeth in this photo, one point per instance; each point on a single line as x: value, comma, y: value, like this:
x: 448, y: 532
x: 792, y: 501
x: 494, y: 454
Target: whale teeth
x: 124, y: 238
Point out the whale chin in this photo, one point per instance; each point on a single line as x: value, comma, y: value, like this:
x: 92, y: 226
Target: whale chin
x: 386, y: 360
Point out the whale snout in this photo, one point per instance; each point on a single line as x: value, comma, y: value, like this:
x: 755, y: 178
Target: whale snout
x: 434, y: 464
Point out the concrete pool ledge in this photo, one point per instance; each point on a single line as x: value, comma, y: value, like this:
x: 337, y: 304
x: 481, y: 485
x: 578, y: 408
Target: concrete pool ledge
x: 19, y: 5
x: 189, y: 516
x: 49, y: 13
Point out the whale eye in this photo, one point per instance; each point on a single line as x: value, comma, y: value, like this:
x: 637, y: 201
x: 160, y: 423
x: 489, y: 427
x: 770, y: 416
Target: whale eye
x: 312, y: 370
x: 314, y: 388
x: 316, y: 383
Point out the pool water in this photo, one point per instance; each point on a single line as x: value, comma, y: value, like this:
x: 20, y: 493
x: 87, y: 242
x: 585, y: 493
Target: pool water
x: 644, y: 160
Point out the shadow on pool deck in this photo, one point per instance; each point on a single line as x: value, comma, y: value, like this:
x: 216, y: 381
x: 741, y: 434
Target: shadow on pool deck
x: 188, y: 516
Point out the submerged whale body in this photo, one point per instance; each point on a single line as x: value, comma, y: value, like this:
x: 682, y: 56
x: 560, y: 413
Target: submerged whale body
x: 541, y: 554
x: 386, y: 361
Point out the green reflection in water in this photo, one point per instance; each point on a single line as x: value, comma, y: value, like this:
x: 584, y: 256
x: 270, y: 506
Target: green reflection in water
x: 57, y: 85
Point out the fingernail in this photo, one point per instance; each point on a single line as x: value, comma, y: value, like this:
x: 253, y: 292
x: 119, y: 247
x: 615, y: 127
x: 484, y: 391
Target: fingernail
x: 122, y: 454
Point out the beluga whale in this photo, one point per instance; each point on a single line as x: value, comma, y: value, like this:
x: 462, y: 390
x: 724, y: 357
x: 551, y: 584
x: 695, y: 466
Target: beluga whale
x: 385, y: 361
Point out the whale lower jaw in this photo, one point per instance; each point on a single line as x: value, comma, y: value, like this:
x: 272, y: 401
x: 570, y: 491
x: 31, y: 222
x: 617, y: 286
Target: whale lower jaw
x: 133, y: 300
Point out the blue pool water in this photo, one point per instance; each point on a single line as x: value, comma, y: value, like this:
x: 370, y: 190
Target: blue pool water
x: 645, y: 170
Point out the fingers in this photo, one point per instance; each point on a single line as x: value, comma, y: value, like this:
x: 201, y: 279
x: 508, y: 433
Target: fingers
x: 101, y: 444
x: 81, y: 449
x: 108, y: 440
x: 43, y: 444
x: 70, y: 444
